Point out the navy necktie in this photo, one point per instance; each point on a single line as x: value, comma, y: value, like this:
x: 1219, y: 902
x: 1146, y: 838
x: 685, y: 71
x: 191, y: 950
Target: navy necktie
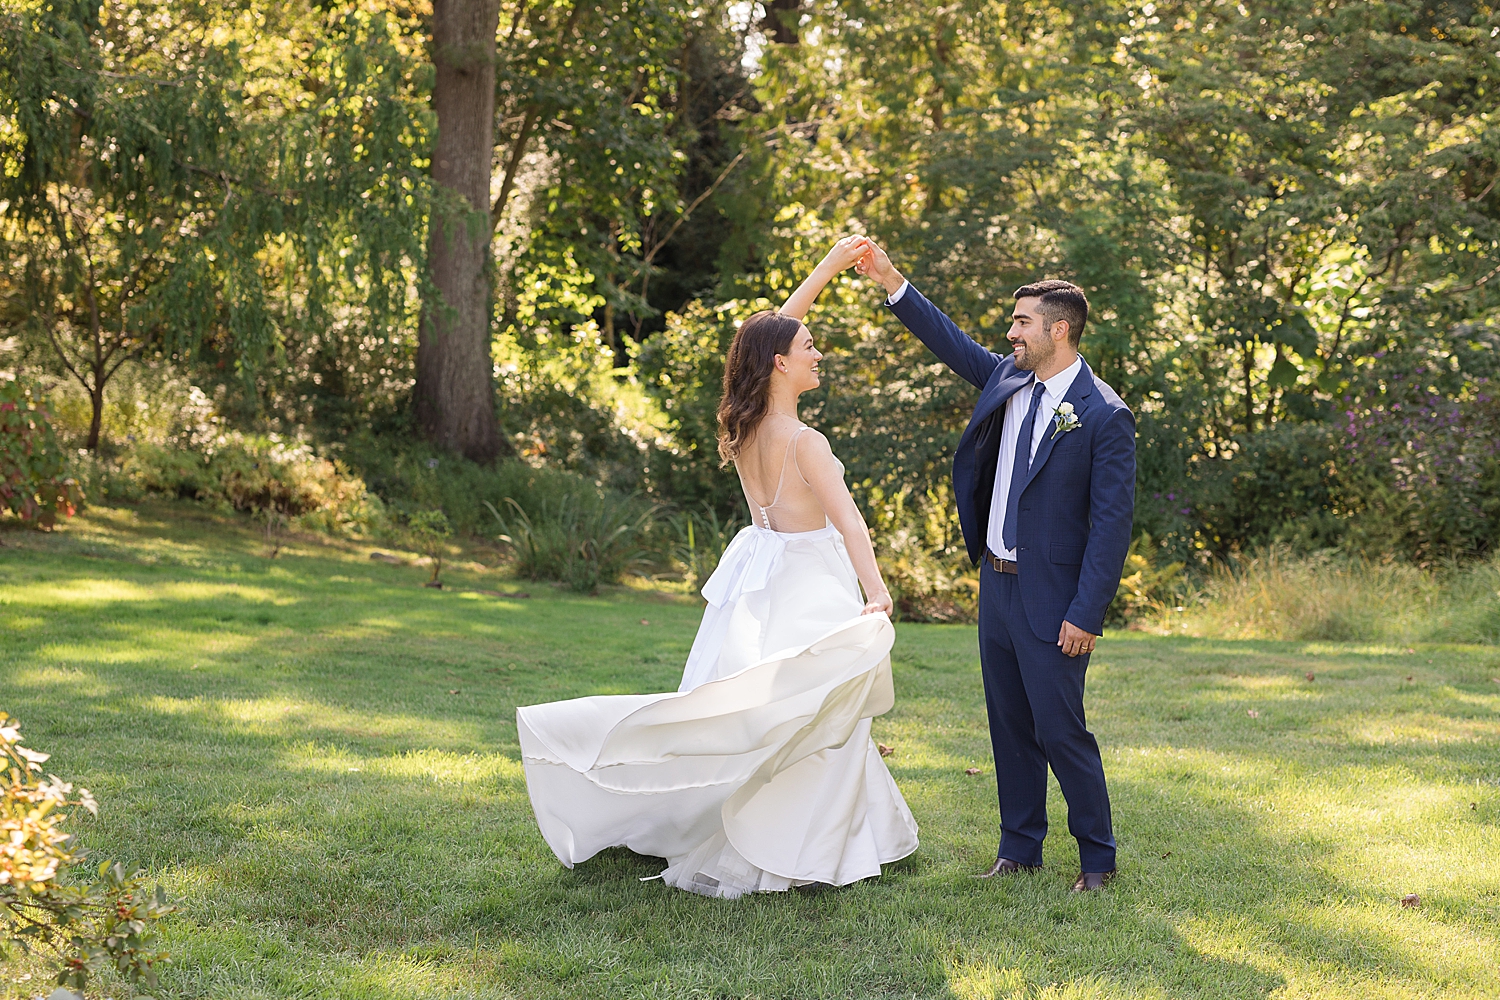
x: 1019, y: 470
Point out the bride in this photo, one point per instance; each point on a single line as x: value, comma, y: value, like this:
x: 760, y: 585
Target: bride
x: 758, y: 774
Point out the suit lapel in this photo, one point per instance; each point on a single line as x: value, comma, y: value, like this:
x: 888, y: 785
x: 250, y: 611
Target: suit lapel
x: 1078, y: 394
x: 1002, y: 386
x: 998, y: 391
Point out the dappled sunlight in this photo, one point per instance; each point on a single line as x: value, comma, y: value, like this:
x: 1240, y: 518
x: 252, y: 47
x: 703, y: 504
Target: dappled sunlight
x: 282, y: 719
x: 148, y: 642
x: 438, y: 766
x: 93, y: 590
x: 1338, y: 944
x: 983, y: 980
x: 79, y: 682
x: 319, y: 759
x: 1351, y: 649
x: 1413, y: 727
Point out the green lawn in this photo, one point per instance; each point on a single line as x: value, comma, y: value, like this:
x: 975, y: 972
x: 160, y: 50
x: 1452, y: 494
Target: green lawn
x: 318, y: 757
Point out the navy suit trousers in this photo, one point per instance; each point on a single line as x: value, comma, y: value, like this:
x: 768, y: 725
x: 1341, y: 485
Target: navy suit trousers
x: 1035, y: 699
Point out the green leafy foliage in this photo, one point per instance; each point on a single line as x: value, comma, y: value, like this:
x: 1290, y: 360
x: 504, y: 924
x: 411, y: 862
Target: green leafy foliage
x: 1149, y: 588
x: 698, y: 540
x: 430, y: 530
x: 34, y: 480
x: 579, y: 543
x: 264, y: 476
x: 108, y: 921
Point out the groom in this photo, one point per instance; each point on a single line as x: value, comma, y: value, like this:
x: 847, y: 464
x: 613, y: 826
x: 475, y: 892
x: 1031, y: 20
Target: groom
x: 1045, y: 480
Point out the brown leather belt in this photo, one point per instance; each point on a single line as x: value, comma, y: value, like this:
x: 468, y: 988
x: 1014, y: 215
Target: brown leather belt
x: 1000, y: 565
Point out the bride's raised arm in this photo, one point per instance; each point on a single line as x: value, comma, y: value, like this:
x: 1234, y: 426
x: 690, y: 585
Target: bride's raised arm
x: 821, y: 470
x: 843, y: 256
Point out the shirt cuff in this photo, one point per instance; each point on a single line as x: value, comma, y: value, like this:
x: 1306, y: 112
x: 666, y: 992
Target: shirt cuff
x: 896, y: 295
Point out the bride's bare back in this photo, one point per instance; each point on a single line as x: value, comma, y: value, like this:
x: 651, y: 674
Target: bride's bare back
x: 780, y: 493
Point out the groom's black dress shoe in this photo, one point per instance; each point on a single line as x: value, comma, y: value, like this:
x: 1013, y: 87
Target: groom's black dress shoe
x: 1005, y: 866
x: 1090, y: 881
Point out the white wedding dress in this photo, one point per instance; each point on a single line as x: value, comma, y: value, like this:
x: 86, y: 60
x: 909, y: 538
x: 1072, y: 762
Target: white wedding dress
x: 758, y: 773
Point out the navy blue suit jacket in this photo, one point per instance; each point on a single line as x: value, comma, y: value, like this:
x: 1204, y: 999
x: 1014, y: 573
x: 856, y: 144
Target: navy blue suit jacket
x: 1077, y: 502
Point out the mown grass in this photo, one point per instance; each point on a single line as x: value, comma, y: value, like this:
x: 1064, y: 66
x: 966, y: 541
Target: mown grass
x: 281, y: 742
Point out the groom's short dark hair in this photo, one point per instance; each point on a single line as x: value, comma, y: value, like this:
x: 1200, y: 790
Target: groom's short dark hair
x: 1060, y: 300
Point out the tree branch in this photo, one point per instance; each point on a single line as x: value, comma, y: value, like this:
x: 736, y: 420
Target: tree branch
x: 651, y: 255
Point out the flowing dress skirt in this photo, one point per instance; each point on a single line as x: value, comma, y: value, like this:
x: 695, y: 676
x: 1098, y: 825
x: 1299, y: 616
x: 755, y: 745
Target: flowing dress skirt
x: 759, y: 773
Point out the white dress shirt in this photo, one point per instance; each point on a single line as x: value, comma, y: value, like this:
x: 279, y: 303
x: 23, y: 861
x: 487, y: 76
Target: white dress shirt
x: 1016, y: 406
x: 1055, y: 389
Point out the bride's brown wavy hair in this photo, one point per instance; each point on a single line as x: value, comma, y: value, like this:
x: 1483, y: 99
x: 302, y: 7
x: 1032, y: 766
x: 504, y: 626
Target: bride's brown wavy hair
x: 747, y: 377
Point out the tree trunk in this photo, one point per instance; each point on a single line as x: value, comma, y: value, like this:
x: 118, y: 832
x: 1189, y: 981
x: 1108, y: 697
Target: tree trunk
x: 96, y: 422
x: 1249, y: 370
x: 783, y: 21
x: 455, y: 393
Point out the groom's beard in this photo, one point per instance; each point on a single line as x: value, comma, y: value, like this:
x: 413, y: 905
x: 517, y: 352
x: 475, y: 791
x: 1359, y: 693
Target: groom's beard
x: 1034, y: 357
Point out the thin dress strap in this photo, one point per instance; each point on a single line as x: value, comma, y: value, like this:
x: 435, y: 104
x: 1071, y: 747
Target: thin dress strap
x: 791, y: 454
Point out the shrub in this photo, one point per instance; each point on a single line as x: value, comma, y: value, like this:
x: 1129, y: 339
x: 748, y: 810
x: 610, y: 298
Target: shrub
x: 416, y: 476
x: 34, y: 483
x: 698, y: 541
x: 927, y: 585
x: 265, y: 476
x: 110, y: 920
x: 581, y: 544
x: 1147, y: 588
x: 429, y: 529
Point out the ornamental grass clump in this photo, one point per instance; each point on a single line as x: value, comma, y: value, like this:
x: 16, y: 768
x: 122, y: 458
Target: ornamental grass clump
x: 581, y: 543
x: 109, y: 921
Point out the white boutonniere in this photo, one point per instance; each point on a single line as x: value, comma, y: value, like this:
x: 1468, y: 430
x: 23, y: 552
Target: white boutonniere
x: 1064, y: 419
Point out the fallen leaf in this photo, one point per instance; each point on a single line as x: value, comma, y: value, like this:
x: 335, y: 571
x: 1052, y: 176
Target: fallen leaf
x: 1408, y: 678
x: 645, y: 622
x: 1411, y: 901
x: 1253, y: 714
x: 1473, y: 807
x: 1166, y: 856
x: 1495, y: 679
x: 885, y: 751
x: 453, y: 691
x: 971, y: 771
x: 1310, y: 675
x: 1410, y: 650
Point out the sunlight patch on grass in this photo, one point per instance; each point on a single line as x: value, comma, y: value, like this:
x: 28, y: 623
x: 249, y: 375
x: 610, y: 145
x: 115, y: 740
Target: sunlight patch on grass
x: 1414, y: 727
x: 983, y: 980
x: 80, y: 683
x: 1350, y: 950
x: 83, y: 591
x: 439, y: 767
x: 284, y: 718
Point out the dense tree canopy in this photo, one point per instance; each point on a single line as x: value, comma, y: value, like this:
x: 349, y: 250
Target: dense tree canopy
x: 1285, y: 214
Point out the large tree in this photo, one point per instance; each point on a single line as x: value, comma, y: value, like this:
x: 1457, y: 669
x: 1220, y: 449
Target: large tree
x: 455, y: 399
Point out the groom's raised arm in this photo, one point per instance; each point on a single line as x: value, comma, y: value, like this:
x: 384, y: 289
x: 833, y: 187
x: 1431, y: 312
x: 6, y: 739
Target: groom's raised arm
x: 942, y: 336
